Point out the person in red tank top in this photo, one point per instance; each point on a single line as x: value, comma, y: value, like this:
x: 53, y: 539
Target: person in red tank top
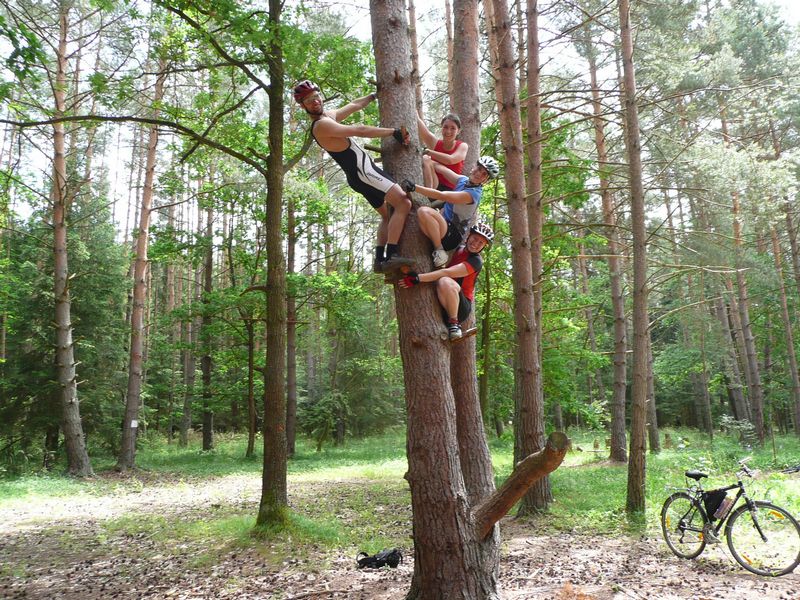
x: 448, y: 151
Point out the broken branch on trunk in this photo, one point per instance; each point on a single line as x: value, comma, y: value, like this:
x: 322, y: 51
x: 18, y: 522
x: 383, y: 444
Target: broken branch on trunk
x: 526, y: 472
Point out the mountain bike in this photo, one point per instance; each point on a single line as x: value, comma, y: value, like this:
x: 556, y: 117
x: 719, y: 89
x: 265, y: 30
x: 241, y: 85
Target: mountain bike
x: 762, y: 537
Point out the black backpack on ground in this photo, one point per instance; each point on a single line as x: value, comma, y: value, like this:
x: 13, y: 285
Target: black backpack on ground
x: 391, y: 557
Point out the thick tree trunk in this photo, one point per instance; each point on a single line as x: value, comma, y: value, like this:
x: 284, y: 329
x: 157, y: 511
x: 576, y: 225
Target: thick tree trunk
x: 133, y: 398
x: 791, y: 357
x: 273, y: 503
x: 448, y: 22
x: 78, y: 463
x: 636, y: 466
x: 619, y: 451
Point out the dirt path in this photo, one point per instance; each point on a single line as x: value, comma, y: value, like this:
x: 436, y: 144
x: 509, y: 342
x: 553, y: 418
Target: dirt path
x: 66, y: 548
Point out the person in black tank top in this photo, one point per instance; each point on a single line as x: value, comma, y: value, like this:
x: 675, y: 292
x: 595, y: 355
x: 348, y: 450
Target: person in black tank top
x: 363, y: 175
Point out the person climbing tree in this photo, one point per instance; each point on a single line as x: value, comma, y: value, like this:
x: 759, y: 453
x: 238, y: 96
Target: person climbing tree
x: 448, y: 151
x: 363, y: 175
x: 455, y: 285
x: 448, y: 228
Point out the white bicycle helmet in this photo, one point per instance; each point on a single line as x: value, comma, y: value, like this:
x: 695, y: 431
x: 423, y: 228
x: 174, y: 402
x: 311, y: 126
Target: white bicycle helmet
x: 491, y: 166
x: 484, y: 230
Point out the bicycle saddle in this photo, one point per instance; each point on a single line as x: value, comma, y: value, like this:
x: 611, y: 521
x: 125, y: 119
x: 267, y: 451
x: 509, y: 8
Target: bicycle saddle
x: 696, y: 475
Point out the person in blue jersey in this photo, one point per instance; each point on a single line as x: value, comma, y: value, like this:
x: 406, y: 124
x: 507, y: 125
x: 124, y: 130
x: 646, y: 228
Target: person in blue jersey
x: 448, y: 229
x: 363, y: 175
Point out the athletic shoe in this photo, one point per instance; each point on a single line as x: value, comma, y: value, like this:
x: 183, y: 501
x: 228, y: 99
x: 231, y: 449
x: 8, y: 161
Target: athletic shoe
x: 439, y: 258
x: 454, y: 331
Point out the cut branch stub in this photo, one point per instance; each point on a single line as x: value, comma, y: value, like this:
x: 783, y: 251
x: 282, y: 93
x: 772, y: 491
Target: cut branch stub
x: 526, y: 472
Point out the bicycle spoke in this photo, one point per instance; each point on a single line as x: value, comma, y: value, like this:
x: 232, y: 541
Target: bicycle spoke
x: 765, y: 540
x: 682, y: 523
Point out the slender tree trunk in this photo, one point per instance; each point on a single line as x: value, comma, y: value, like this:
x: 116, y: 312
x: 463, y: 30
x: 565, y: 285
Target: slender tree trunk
x: 618, y: 434
x: 448, y: 22
x: 273, y: 503
x: 652, y: 418
x: 791, y: 357
x: 540, y: 495
x: 464, y: 96
x: 206, y: 363
x: 793, y: 246
x: 529, y: 411
x: 636, y: 466
x: 291, y: 331
x: 130, y: 423
x: 78, y: 463
x: 733, y: 375
x: 412, y: 29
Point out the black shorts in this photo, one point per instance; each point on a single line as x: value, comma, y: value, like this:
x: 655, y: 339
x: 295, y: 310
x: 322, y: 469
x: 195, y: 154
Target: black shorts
x: 452, y: 239
x: 464, y: 308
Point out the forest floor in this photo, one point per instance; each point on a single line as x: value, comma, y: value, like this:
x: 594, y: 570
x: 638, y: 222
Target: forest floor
x: 158, y: 536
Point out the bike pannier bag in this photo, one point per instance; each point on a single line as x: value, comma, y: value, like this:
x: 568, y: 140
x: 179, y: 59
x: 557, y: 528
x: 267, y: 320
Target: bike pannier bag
x: 711, y: 501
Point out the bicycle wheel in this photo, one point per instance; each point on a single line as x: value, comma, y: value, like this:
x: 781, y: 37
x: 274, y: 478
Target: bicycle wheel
x: 777, y: 552
x: 682, y: 523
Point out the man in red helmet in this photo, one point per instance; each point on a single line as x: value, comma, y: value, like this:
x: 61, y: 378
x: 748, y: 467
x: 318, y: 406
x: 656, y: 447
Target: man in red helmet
x: 363, y: 175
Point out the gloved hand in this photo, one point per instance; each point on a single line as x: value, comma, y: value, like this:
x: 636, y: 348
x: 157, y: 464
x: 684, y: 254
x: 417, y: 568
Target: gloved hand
x: 401, y: 135
x: 408, y: 185
x: 409, y: 280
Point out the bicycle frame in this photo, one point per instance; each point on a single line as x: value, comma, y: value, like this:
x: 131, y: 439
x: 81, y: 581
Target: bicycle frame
x: 697, y: 494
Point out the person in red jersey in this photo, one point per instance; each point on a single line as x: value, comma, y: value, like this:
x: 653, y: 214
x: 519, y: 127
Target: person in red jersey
x: 455, y: 284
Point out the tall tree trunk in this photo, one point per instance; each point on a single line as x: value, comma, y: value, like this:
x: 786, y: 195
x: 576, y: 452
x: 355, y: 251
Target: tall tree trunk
x: 464, y: 96
x: 636, y: 466
x: 793, y: 246
x: 791, y: 357
x: 273, y: 503
x: 540, y: 495
x: 618, y: 435
x: 206, y: 322
x: 529, y: 410
x: 291, y: 330
x: 652, y: 418
x: 133, y: 398
x: 412, y: 29
x: 733, y: 375
x: 78, y: 463
x: 448, y: 22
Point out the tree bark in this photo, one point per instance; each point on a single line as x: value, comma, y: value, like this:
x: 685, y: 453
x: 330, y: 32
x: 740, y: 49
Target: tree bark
x: 133, y: 398
x: 273, y: 503
x: 791, y: 357
x: 412, y: 28
x: 78, y: 463
x: 636, y: 466
x: 731, y: 363
x: 619, y: 451
x: 291, y: 330
x: 464, y: 95
x: 206, y: 321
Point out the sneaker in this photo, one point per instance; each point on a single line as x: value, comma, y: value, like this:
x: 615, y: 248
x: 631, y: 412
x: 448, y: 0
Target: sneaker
x: 454, y: 331
x: 439, y: 258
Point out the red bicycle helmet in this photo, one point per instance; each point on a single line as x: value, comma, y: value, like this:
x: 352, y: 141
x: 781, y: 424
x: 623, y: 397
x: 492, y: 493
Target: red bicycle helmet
x: 303, y: 89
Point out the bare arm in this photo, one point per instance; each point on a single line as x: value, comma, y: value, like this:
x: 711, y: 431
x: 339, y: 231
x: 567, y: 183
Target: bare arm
x: 456, y: 271
x: 348, y: 109
x: 425, y: 135
x: 448, y: 196
x: 448, y: 174
x: 332, y: 129
x: 450, y: 159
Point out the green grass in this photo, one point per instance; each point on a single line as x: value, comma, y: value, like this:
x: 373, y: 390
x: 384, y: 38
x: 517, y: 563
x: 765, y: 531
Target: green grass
x: 370, y: 508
